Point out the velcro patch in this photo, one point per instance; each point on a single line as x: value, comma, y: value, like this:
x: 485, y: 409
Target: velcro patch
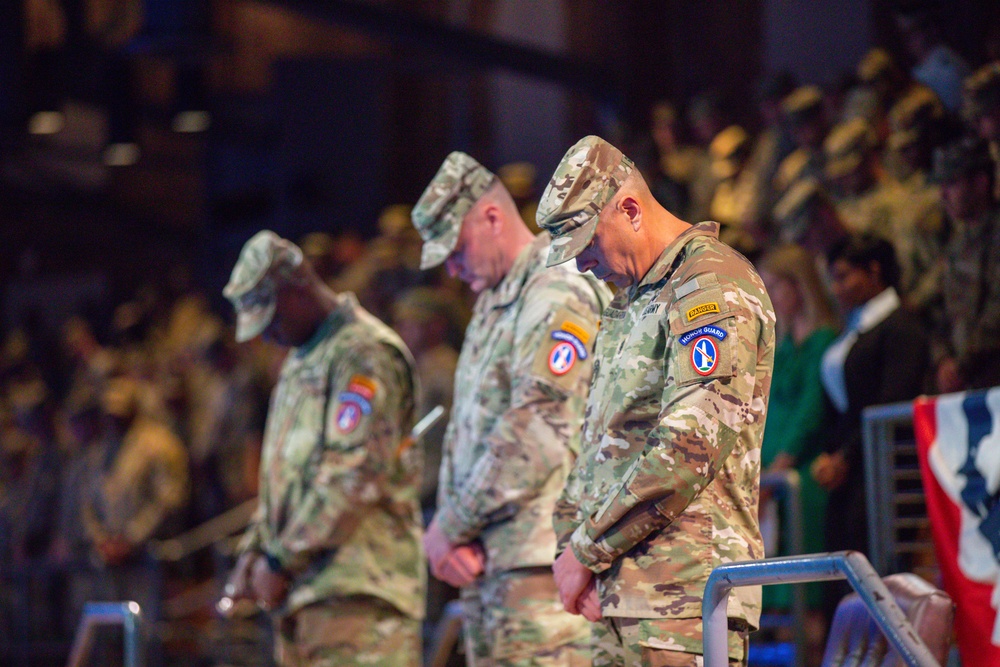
x: 562, y: 357
x: 363, y: 403
x: 566, y: 337
x: 362, y: 386
x: 702, y: 309
x: 704, y: 356
x: 349, y: 416
x: 703, y: 331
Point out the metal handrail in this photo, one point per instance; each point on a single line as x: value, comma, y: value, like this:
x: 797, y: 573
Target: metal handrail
x: 95, y: 614
x: 850, y: 565
x: 788, y: 483
x: 214, y: 530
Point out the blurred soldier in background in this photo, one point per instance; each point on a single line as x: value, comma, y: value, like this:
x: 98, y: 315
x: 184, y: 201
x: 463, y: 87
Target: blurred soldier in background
x: 134, y: 494
x: 967, y: 345
x: 334, y: 550
x: 521, y: 384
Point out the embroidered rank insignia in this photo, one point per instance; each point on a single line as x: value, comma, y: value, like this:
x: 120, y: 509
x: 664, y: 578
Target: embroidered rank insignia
x: 348, y: 416
x: 703, y: 331
x: 704, y: 355
x: 562, y: 358
x: 703, y: 309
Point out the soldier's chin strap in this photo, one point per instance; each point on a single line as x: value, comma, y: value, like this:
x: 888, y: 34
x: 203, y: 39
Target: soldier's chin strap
x: 420, y: 429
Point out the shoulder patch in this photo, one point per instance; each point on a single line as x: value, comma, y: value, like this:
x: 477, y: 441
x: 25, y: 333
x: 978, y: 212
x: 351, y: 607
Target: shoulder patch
x: 360, y: 392
x: 349, y: 415
x: 709, y: 330
x: 701, y: 310
x: 704, y: 356
x: 567, y: 344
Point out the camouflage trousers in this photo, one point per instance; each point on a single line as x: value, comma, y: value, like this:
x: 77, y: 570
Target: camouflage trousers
x: 357, y: 630
x: 515, y: 619
x: 655, y: 642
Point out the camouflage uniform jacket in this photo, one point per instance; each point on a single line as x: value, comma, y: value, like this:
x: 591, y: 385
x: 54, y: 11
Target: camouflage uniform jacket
x: 338, y: 501
x: 667, y: 483
x: 520, y: 389
x: 142, y: 483
x: 971, y: 289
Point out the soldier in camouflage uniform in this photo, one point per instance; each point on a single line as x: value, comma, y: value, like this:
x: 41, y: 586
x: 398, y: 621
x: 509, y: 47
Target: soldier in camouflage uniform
x: 666, y: 486
x: 334, y: 548
x: 967, y: 342
x: 981, y: 109
x: 521, y: 385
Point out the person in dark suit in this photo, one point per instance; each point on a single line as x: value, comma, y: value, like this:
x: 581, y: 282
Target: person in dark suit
x: 882, y: 356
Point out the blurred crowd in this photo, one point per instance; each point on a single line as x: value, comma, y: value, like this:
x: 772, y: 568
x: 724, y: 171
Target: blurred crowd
x: 126, y: 432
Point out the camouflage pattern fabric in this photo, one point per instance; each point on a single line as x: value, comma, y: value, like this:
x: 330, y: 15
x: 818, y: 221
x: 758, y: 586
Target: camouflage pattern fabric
x: 870, y: 211
x: 438, y: 214
x: 515, y: 619
x: 970, y: 330
x: 918, y: 234
x: 667, y: 483
x: 623, y: 642
x: 521, y: 384
x: 348, y: 632
x: 140, y: 485
x: 586, y: 179
x: 338, y: 500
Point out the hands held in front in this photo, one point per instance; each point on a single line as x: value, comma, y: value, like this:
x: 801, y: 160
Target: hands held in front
x: 252, y: 579
x: 829, y: 470
x: 456, y: 565
x: 577, y: 586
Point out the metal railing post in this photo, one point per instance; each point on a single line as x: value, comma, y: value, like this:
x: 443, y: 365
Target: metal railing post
x: 96, y: 614
x: 850, y: 565
x: 789, y: 484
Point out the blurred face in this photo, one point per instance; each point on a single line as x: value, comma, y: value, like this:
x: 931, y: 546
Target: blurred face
x: 293, y: 323
x: 608, y: 252
x: 476, y: 259
x: 988, y: 126
x: 852, y: 285
x: 784, y: 295
x: 966, y: 196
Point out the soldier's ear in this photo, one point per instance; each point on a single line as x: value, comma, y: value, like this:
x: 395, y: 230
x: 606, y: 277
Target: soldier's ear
x: 630, y: 206
x: 493, y: 219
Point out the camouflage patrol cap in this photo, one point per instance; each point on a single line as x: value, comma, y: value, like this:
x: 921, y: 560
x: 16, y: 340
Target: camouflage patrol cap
x: 795, y: 211
x: 585, y: 180
x: 982, y: 91
x: 917, y: 109
x: 846, y: 147
x: 727, y: 149
x: 874, y: 65
x: 265, y: 260
x: 438, y: 215
x: 960, y: 158
x: 803, y: 104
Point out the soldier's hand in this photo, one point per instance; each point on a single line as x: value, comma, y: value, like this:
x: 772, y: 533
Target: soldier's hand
x: 589, y: 603
x: 115, y: 550
x: 572, y: 578
x: 463, y: 564
x: 269, y: 587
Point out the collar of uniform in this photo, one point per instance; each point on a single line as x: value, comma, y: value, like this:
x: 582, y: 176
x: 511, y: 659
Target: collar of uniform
x: 663, y: 265
x: 341, y: 314
x: 527, y: 260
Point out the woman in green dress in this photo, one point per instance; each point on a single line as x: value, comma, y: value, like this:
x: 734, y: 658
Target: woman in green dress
x: 797, y: 411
